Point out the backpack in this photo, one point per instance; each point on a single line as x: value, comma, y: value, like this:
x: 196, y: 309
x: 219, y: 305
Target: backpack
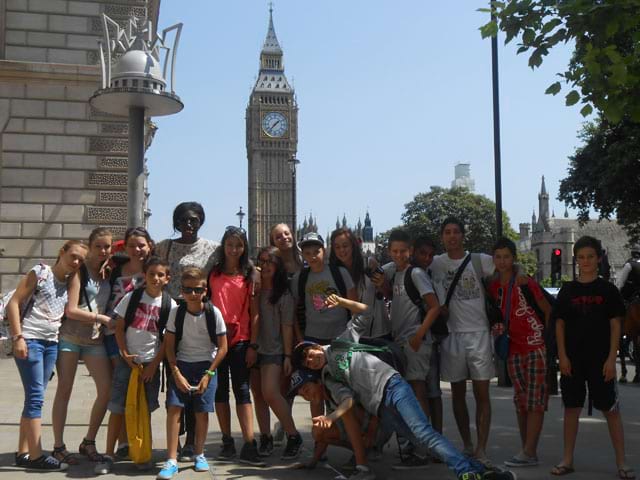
x: 384, y: 350
x: 494, y: 314
x: 134, y: 302
x: 6, y: 342
x: 210, y: 315
x: 632, y: 285
x: 302, y: 284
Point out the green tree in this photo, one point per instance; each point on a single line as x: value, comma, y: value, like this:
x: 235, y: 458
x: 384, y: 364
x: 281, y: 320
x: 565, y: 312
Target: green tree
x: 604, y: 71
x: 604, y: 174
x: 528, y: 262
x: 424, y: 214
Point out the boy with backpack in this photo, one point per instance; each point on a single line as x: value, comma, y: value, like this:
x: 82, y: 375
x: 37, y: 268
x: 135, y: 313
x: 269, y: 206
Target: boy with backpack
x: 382, y: 392
x: 195, y: 344
x: 141, y: 318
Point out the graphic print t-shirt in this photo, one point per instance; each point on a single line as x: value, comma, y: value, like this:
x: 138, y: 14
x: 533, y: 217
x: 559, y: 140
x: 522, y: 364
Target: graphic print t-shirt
x: 587, y: 309
x: 323, y: 322
x: 142, y: 336
x: 466, y: 309
x: 526, y: 330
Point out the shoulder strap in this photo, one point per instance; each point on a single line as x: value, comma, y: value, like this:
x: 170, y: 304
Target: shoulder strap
x: 180, y: 314
x: 84, y: 280
x: 134, y: 301
x: 476, y: 263
x: 210, y: 316
x: 115, y: 273
x: 338, y: 279
x: 165, y: 309
x: 531, y: 301
x: 301, y: 306
x: 456, y: 278
x: 411, y: 289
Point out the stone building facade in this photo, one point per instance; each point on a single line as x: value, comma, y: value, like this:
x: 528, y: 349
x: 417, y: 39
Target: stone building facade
x: 63, y: 164
x: 547, y: 233
x: 272, y: 141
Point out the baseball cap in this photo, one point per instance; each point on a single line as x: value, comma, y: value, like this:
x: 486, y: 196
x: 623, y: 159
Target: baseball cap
x: 298, y: 353
x: 299, y: 378
x: 311, y: 238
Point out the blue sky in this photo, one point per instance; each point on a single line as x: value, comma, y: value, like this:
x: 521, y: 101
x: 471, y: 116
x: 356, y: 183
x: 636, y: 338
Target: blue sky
x: 391, y: 95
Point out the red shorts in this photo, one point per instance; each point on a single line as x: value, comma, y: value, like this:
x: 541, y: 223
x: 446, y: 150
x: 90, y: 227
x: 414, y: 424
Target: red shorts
x: 528, y: 373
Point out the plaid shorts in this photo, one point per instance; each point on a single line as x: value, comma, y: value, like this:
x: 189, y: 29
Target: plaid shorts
x: 528, y: 374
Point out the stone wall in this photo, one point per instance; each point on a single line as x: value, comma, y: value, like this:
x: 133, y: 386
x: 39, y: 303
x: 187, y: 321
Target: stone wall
x: 63, y: 164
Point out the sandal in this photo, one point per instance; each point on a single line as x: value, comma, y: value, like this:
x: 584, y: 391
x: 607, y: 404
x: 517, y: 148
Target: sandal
x: 88, y: 448
x: 560, y: 470
x: 626, y: 473
x: 64, y: 456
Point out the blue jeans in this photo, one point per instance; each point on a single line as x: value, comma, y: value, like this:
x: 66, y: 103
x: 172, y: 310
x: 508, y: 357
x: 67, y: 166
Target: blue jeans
x: 35, y: 372
x: 402, y: 413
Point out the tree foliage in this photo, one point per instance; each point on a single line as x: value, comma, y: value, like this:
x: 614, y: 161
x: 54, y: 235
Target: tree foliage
x: 425, y: 213
x: 604, y: 174
x: 528, y: 262
x: 604, y: 71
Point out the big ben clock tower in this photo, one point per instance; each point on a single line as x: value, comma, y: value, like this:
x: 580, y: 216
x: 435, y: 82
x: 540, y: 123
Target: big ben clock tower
x: 272, y: 139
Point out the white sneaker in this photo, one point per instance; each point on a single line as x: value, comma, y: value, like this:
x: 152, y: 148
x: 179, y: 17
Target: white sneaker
x: 362, y: 473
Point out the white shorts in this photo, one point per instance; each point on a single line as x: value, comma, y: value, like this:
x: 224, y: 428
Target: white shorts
x: 417, y: 362
x: 465, y: 355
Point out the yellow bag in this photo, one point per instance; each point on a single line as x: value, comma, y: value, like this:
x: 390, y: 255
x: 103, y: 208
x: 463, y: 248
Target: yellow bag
x: 137, y: 419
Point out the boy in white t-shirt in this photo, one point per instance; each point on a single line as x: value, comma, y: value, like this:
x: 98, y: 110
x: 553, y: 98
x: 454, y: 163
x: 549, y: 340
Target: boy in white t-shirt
x: 196, y: 343
x: 141, y: 316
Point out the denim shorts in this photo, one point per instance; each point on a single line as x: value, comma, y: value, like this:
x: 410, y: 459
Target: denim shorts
x: 35, y: 372
x: 234, y: 363
x: 270, y: 360
x: 192, y: 372
x: 111, y: 346
x: 120, y: 385
x: 90, y: 350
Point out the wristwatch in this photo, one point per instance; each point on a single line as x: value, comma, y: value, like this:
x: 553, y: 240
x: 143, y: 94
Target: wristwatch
x: 16, y: 337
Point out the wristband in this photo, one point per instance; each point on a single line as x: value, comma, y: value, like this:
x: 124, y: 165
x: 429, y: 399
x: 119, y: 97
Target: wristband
x: 254, y: 346
x: 211, y: 373
x: 17, y: 337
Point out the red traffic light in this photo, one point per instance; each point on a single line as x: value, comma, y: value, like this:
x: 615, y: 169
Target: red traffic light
x: 557, y: 252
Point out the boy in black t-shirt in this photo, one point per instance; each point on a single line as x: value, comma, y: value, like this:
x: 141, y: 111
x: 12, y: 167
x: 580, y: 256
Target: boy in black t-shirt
x: 588, y: 313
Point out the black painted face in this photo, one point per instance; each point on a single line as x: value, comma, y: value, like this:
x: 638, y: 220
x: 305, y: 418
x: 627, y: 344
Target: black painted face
x: 189, y: 224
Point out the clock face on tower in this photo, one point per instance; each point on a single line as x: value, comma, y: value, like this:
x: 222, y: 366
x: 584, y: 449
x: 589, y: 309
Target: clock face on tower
x: 275, y: 124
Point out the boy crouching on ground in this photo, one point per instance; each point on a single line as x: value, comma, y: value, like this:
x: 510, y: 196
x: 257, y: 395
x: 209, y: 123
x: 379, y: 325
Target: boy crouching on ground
x: 196, y: 343
x: 383, y: 392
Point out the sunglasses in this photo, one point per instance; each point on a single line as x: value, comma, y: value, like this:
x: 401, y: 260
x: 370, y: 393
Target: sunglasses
x: 196, y: 290
x: 234, y: 229
x: 264, y: 261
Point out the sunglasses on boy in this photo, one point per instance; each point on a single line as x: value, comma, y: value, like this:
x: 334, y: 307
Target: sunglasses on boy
x: 196, y: 290
x: 234, y: 229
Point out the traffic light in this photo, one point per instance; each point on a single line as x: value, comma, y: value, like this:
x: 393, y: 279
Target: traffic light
x: 556, y: 265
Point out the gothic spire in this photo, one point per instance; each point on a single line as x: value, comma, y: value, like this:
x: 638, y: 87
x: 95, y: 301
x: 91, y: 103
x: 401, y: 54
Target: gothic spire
x: 543, y: 188
x: 271, y: 45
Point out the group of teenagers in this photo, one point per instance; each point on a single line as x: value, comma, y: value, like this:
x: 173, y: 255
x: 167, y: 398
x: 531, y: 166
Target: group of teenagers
x: 355, y: 339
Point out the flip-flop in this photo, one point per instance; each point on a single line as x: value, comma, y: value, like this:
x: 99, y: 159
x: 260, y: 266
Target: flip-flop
x: 626, y: 473
x: 560, y: 470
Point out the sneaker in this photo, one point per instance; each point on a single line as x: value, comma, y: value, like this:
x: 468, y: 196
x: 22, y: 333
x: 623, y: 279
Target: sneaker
x: 349, y: 465
x: 169, y: 469
x: 278, y: 434
x: 294, y: 445
x: 122, y: 453
x: 200, y: 463
x: 144, y: 466
x: 468, y: 451
x: 411, y: 462
x: 470, y: 476
x: 228, y: 449
x: 486, y: 463
x: 521, y: 460
x: 21, y: 459
x: 186, y: 454
x: 47, y: 463
x: 249, y: 455
x: 104, y: 467
x: 362, y: 473
x: 499, y: 475
x: 266, y: 445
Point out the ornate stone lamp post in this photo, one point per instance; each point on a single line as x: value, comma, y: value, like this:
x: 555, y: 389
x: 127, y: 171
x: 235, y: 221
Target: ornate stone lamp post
x: 240, y: 215
x: 134, y: 85
x: 293, y: 165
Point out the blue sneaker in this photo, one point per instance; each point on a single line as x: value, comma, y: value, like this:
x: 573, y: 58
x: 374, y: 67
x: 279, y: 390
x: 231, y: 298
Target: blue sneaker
x: 200, y: 463
x: 169, y: 469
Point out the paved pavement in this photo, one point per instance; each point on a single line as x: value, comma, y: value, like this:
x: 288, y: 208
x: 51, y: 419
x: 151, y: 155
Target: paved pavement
x: 594, y: 455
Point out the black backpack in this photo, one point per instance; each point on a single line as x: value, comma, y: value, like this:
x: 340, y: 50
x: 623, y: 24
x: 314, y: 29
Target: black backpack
x: 134, y: 302
x: 411, y: 289
x: 302, y: 284
x: 210, y: 315
x: 384, y: 350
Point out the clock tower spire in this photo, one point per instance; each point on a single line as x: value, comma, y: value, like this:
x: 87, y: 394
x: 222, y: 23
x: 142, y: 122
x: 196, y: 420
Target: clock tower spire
x: 272, y: 140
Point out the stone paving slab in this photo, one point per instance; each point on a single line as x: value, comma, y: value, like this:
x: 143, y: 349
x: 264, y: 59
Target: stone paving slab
x: 594, y: 455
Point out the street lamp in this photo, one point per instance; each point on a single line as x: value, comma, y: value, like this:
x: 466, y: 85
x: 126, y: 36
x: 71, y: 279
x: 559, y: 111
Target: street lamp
x: 135, y: 85
x: 240, y: 215
x: 293, y: 165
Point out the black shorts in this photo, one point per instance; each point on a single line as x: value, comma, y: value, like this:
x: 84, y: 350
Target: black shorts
x: 588, y: 374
